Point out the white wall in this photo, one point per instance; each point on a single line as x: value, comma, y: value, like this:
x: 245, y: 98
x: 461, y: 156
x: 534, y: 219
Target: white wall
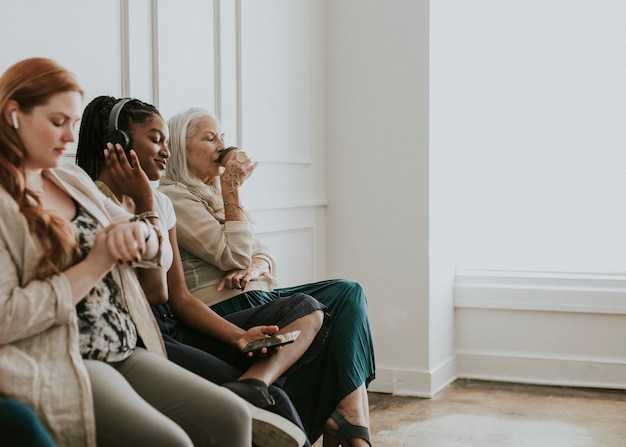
x: 84, y: 36
x: 528, y: 105
x: 527, y: 134
x: 377, y: 177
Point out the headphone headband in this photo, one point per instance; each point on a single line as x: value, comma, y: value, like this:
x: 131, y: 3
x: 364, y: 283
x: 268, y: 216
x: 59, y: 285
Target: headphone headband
x: 114, y: 116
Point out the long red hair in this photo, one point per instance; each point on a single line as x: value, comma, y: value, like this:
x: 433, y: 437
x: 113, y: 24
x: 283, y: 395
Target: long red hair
x: 31, y: 82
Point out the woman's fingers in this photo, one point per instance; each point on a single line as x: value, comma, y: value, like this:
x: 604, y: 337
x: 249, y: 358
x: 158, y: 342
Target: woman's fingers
x: 125, y: 241
x: 235, y: 279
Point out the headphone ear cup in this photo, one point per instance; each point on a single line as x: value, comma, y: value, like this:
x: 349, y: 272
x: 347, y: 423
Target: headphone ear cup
x: 114, y: 134
x: 117, y: 136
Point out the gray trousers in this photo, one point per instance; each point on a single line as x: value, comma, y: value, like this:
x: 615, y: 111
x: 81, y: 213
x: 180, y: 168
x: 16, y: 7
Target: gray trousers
x: 148, y: 400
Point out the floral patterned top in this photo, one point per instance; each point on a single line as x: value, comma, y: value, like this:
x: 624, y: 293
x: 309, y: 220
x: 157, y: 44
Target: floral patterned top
x: 107, y: 331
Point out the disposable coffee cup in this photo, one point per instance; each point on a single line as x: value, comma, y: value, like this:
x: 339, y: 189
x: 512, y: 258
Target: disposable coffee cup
x: 230, y: 152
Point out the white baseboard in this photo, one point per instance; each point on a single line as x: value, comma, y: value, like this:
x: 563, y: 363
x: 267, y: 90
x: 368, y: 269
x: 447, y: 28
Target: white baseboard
x: 416, y: 383
x: 538, y: 369
x: 543, y: 369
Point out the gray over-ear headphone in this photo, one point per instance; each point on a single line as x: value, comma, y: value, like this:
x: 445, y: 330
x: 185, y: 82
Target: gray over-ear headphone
x: 114, y: 133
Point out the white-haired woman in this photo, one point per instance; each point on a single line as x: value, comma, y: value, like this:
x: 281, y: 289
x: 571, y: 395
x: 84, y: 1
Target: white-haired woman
x: 228, y: 268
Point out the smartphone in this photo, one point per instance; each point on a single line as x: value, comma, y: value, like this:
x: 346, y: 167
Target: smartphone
x: 274, y: 340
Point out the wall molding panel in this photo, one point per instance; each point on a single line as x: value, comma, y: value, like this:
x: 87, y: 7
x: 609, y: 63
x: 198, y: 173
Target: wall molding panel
x: 547, y: 328
x: 276, y: 98
x: 295, y: 251
x: 541, y: 291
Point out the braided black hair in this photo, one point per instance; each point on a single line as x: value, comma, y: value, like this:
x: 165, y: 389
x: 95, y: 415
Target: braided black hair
x: 94, y: 126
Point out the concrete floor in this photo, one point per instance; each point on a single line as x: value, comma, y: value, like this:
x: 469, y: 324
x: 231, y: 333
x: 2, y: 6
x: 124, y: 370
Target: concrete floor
x: 488, y: 414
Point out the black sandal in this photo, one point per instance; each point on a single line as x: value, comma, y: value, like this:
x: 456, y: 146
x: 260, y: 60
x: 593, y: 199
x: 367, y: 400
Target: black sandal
x: 345, y: 431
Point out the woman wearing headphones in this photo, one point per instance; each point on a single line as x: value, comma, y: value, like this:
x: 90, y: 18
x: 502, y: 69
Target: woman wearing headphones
x: 191, y: 330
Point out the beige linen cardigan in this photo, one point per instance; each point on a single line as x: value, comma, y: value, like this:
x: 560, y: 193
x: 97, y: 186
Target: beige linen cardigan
x: 209, y: 248
x: 40, y: 361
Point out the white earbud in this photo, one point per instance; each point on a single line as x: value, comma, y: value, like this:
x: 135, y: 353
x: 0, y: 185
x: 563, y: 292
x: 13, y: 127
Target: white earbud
x: 14, y: 118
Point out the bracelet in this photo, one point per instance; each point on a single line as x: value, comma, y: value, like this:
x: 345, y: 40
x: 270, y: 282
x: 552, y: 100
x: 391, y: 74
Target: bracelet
x: 234, y: 204
x: 140, y: 218
x: 148, y: 214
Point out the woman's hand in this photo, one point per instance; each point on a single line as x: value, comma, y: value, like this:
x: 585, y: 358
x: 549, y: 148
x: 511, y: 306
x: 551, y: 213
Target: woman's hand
x: 126, y: 241
x: 238, y: 279
x: 121, y: 241
x: 128, y: 176
x: 258, y: 333
x: 231, y: 179
x: 235, y: 172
